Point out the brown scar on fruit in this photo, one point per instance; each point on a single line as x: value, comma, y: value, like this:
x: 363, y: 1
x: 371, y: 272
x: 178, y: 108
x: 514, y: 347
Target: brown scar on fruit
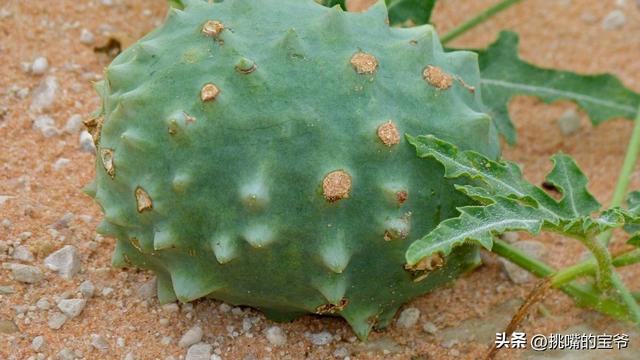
x: 364, y: 63
x: 437, y: 78
x: 470, y: 88
x: 94, y: 127
x: 336, y: 185
x: 107, y: 162
x: 136, y: 244
x: 188, y: 119
x: 332, y: 308
x: 401, y: 196
x: 425, y: 266
x: 209, y: 92
x: 212, y: 28
x: 143, y: 200
x: 388, y: 134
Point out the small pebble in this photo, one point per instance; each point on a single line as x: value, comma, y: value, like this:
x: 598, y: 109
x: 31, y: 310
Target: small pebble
x: 6, y: 289
x: 120, y: 342
x: 200, y: 351
x: 66, y: 262
x: 510, y: 236
x: 87, y: 289
x: 408, y: 318
x: 569, y: 122
x: 74, y: 124
x: 39, y: 66
x: 341, y: 352
x: 166, y: 340
x: 321, y: 338
x: 171, y: 308
x: 107, y: 291
x: 72, y: 307
x: 37, y: 343
x: 46, y: 126
x: 56, y: 320
x: 87, y: 37
x: 22, y: 253
x: 192, y: 336
x: 276, y: 336
x: 43, y: 304
x: 45, y: 94
x: 25, y: 273
x: 99, y: 342
x: 429, y: 327
x: 86, y: 142
x: 164, y: 322
x: 224, y: 307
x: 66, y: 354
x: 614, y: 20
x: 60, y: 163
x: 148, y: 289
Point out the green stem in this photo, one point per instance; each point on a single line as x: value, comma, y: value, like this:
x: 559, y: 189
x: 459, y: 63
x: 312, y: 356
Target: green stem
x: 605, y: 269
x: 630, y: 158
x: 627, y: 298
x: 477, y: 20
x: 582, y: 296
x: 589, y: 267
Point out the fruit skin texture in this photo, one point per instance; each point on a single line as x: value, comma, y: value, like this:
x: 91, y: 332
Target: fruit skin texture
x: 264, y: 164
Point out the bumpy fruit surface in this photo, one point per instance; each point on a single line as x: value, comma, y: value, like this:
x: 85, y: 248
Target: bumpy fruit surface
x: 254, y: 152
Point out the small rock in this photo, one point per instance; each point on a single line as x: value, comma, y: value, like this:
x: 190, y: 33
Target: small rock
x: 510, y: 236
x: 129, y: 356
x: 201, y: 351
x: 43, y: 304
x: 6, y: 289
x: 37, y: 343
x: 8, y: 327
x: 60, y: 163
x: 39, y: 66
x: 106, y: 291
x: 614, y: 20
x: 569, y: 122
x: 22, y: 253
x: 429, y: 327
x: 514, y: 272
x: 65, y: 262
x: 107, y: 2
x: 45, y: 94
x: 56, y: 320
x: 276, y: 336
x: 148, y: 289
x: 72, y: 307
x: 86, y: 37
x: 166, y: 340
x: 192, y: 336
x: 45, y: 125
x: 26, y: 273
x: 86, y: 142
x: 215, y: 357
x: 99, y: 342
x: 87, y: 289
x: 224, y: 307
x: 171, y: 308
x: 341, y: 352
x: 321, y: 338
x: 74, y: 124
x: 66, y: 354
x: 408, y: 318
x: 120, y: 342
x: 164, y: 322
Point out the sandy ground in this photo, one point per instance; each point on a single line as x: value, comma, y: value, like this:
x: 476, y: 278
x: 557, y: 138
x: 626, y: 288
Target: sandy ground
x: 46, y: 209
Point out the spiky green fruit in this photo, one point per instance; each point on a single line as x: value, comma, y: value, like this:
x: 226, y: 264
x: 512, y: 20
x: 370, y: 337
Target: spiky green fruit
x: 253, y: 152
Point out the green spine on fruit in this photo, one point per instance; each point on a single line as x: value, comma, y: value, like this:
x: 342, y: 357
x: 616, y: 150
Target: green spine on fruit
x: 254, y: 152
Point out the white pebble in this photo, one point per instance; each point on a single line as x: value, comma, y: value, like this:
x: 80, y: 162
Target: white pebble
x: 276, y: 336
x: 201, y: 351
x: 614, y: 20
x: 66, y: 262
x: 43, y: 304
x: 60, y: 163
x: 192, y: 336
x: 74, y: 124
x: 569, y: 122
x: 87, y: 289
x: 39, y: 66
x: 37, y: 343
x: 56, y: 320
x: 341, y: 352
x: 99, y: 342
x: 66, y: 354
x: 429, y: 328
x: 321, y: 338
x: 25, y: 273
x: 120, y: 342
x: 86, y: 142
x: 215, y: 357
x: 171, y: 308
x: 107, y: 291
x: 408, y: 317
x: 45, y: 94
x: 86, y: 37
x: 45, y: 125
x: 72, y: 307
x: 224, y: 307
x: 22, y: 253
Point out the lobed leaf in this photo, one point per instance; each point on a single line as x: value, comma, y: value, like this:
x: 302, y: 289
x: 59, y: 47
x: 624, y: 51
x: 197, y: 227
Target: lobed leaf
x: 332, y: 3
x: 410, y: 12
x: 505, y: 75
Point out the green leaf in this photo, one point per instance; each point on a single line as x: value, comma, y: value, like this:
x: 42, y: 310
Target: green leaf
x: 505, y: 75
x: 570, y: 180
x: 178, y: 4
x: 633, y: 204
x: 332, y: 3
x: 509, y: 202
x: 634, y: 240
x: 410, y: 12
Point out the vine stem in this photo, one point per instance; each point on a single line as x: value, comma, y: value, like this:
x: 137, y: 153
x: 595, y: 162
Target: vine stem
x: 604, y: 273
x: 630, y: 158
x: 477, y: 20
